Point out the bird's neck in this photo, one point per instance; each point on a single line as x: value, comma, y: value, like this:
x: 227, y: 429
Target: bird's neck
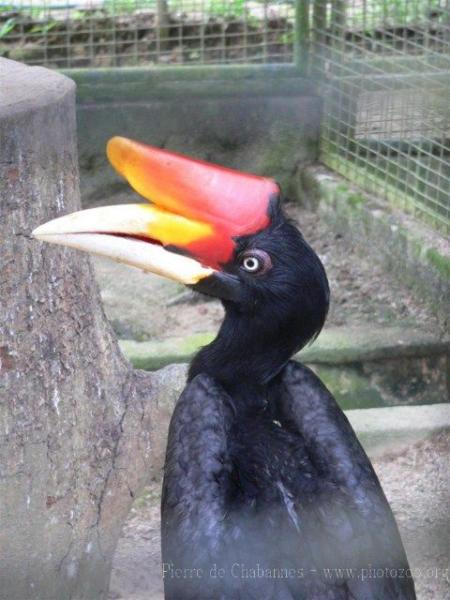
x: 244, y: 357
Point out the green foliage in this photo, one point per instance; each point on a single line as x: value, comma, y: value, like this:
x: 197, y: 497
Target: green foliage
x: 356, y: 199
x: 288, y: 37
x: 442, y: 263
x: 7, y: 27
x: 78, y: 15
x: 379, y: 13
x: 43, y: 28
x: 36, y: 12
x: 221, y: 8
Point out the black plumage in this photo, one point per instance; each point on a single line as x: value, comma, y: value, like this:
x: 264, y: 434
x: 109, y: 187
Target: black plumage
x: 267, y: 492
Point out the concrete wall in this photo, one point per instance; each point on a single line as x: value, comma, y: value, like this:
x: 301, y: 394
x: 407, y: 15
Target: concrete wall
x: 260, y: 119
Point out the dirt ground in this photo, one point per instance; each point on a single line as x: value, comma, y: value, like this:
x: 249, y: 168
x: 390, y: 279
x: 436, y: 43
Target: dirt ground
x: 141, y: 306
x: 416, y: 482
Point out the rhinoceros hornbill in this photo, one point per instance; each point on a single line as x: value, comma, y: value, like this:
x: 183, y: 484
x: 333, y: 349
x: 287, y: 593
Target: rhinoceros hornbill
x: 267, y: 492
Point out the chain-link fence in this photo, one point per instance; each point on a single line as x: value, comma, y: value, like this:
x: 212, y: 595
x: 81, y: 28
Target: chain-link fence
x: 385, y: 69
x: 104, y: 33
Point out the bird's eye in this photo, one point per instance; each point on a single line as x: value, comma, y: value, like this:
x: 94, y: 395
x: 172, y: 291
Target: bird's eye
x: 256, y: 261
x: 251, y: 264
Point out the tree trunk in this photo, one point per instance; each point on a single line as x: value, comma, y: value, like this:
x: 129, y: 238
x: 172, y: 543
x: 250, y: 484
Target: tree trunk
x: 80, y: 431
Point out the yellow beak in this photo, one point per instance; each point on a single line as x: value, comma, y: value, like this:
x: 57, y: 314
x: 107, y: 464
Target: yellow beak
x: 133, y: 234
x: 189, y: 231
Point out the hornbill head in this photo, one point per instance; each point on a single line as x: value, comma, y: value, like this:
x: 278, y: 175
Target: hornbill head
x: 217, y: 230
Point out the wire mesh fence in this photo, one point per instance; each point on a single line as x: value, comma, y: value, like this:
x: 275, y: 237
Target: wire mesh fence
x: 103, y: 33
x: 383, y: 67
x: 385, y: 73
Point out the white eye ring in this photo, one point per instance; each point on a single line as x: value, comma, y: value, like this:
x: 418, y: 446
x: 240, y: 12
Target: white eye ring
x: 252, y: 264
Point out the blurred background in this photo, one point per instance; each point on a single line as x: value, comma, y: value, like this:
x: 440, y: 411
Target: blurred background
x: 347, y: 104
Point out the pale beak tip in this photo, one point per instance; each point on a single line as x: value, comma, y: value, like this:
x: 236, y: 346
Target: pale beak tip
x: 39, y: 232
x: 46, y: 229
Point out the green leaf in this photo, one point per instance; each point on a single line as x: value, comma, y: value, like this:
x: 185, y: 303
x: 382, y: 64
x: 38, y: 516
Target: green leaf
x: 7, y: 26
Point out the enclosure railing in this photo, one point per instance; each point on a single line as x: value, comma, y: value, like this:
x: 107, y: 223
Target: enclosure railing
x: 384, y: 71
x: 106, y: 33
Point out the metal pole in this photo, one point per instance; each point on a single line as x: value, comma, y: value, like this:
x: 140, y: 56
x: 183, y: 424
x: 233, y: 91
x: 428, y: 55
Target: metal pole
x: 301, y: 35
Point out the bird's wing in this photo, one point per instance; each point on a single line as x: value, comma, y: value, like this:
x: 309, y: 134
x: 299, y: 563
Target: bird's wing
x: 195, y: 486
x: 350, y: 523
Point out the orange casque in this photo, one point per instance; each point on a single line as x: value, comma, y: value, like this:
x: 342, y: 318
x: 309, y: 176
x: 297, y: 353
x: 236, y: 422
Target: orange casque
x: 232, y: 203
